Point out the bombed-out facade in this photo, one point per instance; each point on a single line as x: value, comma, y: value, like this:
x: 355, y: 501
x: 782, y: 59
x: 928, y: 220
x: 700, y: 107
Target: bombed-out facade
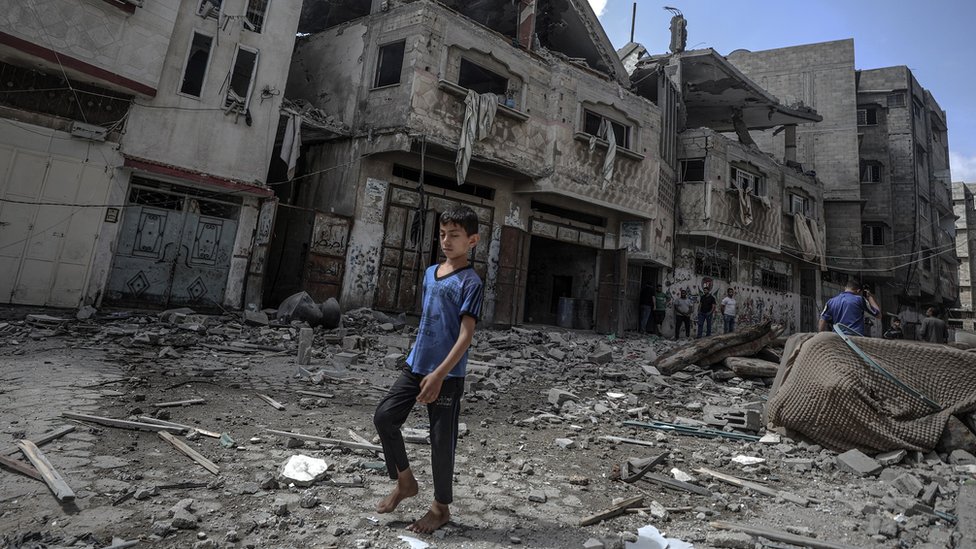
x: 568, y: 180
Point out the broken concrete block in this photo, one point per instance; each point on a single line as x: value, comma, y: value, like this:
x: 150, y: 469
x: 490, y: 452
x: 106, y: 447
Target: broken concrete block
x: 352, y: 343
x: 537, y: 496
x: 593, y: 543
x: 565, y: 443
x: 255, y: 318
x: 182, y: 515
x: 347, y: 359
x: 908, y: 484
x: 394, y: 361
x: 799, y: 464
x: 600, y: 357
x: 557, y: 397
x: 279, y: 508
x: 961, y: 457
x: 858, y: 463
x: 557, y: 354
x: 730, y: 540
x: 305, y: 336
x: 650, y: 370
x: 930, y: 493
x: 658, y: 510
x: 396, y: 342
x: 86, y: 312
x: 302, y: 470
x: 161, y: 528
x: 309, y: 499
x: 170, y: 315
x: 891, y: 458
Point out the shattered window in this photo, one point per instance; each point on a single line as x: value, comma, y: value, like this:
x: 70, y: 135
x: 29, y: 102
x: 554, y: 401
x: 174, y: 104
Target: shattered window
x: 870, y: 172
x: 256, y: 11
x: 477, y: 78
x: 209, y: 8
x: 872, y: 234
x: 389, y: 65
x: 867, y: 117
x: 748, y: 181
x: 774, y: 281
x: 692, y: 170
x: 196, y: 65
x: 241, y: 77
x: 707, y: 264
x: 593, y: 124
x: 799, y: 204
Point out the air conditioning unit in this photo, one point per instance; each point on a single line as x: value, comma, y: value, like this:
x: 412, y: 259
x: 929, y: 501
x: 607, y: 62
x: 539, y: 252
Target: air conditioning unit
x: 88, y: 131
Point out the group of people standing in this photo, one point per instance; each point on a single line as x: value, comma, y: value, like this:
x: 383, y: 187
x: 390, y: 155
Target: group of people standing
x: 654, y: 303
x: 849, y: 307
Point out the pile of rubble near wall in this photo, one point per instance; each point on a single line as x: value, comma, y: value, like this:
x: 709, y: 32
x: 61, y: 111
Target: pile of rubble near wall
x: 566, y: 428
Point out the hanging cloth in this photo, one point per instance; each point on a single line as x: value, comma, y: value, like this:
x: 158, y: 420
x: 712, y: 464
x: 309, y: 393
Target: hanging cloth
x: 804, y: 238
x: 291, y: 144
x: 819, y: 241
x: 479, y: 117
x: 607, y: 130
x: 745, y: 206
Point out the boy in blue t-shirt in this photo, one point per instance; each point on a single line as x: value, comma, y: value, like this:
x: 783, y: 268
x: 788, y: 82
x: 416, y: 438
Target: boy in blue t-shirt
x: 438, y: 362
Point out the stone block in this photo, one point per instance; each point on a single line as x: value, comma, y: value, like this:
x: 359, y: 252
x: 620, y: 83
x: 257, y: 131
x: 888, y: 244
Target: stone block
x: 891, y: 458
x: 730, y: 540
x: 394, y: 341
x: 305, y: 336
x: 557, y: 354
x: 302, y: 470
x: 857, y: 463
x: 908, y: 484
x: 255, y: 318
x: 393, y: 361
x: 600, y: 357
x: 346, y: 358
x: 961, y: 457
x: 537, y: 496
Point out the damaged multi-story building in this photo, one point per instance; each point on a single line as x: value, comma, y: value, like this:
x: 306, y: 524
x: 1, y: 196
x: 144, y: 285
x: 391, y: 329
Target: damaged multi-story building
x: 964, y: 206
x: 749, y: 218
x: 571, y: 180
x: 134, y: 141
x: 881, y: 152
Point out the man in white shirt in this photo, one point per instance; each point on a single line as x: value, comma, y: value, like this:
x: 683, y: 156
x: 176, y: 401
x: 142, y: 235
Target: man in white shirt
x: 728, y: 311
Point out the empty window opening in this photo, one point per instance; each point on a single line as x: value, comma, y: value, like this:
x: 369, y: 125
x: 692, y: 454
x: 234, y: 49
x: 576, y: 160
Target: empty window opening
x: 692, y: 170
x: 774, y: 281
x: 799, y: 204
x: 870, y: 172
x: 867, y: 117
x: 595, y: 124
x: 241, y: 78
x: 896, y: 100
x: 713, y: 266
x: 195, y: 71
x: 927, y: 261
x: 748, y: 181
x: 872, y: 234
x: 389, y: 64
x: 481, y: 80
x: 209, y: 8
x: 257, y: 10
x: 923, y: 207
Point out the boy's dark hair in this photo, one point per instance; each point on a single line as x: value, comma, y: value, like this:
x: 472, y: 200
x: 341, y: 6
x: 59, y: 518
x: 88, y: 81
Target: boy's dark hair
x: 463, y: 217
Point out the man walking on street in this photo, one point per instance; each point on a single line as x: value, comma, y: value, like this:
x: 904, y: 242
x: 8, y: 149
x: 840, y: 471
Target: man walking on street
x: 848, y: 308
x: 706, y: 308
x: 934, y: 328
x: 682, y: 314
x: 728, y: 311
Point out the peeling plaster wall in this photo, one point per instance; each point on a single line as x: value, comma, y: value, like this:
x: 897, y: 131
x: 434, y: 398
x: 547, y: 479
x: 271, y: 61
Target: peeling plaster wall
x: 237, y: 275
x: 363, y: 254
x: 130, y: 45
x: 195, y: 133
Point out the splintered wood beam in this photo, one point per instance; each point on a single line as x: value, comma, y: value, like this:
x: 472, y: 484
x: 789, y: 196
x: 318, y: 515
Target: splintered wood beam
x: 179, y: 403
x: 43, y: 439
x: 777, y: 535
x: 755, y: 486
x: 20, y: 467
x: 121, y: 423
x: 51, y: 476
x: 155, y: 421
x: 190, y: 452
x: 614, y: 511
x: 334, y: 441
x: 277, y: 405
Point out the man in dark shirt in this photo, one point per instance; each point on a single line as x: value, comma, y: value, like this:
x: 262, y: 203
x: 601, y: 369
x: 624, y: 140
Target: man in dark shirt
x: 646, y: 301
x: 934, y: 328
x: 706, y: 309
x: 848, y: 308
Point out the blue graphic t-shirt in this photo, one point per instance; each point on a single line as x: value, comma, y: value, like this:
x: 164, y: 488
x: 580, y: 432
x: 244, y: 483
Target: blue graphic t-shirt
x: 848, y: 309
x: 446, y: 300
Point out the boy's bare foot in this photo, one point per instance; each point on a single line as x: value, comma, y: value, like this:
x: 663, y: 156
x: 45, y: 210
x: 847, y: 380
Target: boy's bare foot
x: 438, y: 515
x: 406, y: 487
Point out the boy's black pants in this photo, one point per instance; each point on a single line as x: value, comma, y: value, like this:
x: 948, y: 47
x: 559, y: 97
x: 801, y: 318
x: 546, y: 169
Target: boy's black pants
x: 392, y: 412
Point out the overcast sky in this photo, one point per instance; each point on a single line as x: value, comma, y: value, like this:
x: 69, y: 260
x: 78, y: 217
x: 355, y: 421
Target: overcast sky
x: 935, y: 39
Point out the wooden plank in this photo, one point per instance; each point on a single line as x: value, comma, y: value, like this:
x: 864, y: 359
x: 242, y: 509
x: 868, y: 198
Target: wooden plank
x: 122, y: 424
x: 676, y: 484
x: 51, y: 476
x: 751, y: 367
x: 337, y: 442
x: 777, y: 535
x: 614, y: 511
x: 314, y: 394
x: 175, y: 403
x: 155, y: 421
x: 693, y: 353
x: 43, y: 439
x: 756, y: 487
x: 190, y: 452
x: 629, y: 441
x: 20, y: 467
x: 277, y: 405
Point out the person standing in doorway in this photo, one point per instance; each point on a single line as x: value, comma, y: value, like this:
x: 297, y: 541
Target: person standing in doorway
x: 706, y: 309
x: 646, y: 301
x: 661, y: 301
x: 728, y: 311
x: 934, y: 328
x: 682, y: 314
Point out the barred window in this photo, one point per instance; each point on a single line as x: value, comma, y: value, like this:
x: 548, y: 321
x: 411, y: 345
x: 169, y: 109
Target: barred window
x: 713, y: 266
x: 775, y: 281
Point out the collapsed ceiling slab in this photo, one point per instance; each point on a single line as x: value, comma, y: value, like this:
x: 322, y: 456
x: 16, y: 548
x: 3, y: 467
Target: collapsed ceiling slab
x: 318, y: 15
x: 715, y: 93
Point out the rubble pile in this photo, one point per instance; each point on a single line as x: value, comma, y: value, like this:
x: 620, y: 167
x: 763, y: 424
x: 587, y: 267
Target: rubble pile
x: 569, y: 439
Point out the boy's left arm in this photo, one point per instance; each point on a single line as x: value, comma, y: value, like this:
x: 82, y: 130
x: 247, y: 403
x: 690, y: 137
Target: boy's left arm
x: 430, y: 385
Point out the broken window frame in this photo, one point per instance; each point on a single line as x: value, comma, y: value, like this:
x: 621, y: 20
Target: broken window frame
x: 228, y: 100
x: 251, y: 14
x: 621, y: 131
x: 804, y: 204
x: 755, y: 183
x: 186, y: 65
x: 771, y: 280
x: 683, y: 170
x: 709, y: 264
x: 867, y: 116
x: 870, y: 171
x: 924, y: 206
x: 380, y: 64
x: 872, y: 234
x: 492, y: 88
x: 897, y: 99
x: 214, y: 13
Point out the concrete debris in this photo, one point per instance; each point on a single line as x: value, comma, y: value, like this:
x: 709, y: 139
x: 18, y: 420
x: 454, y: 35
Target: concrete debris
x: 857, y: 463
x: 302, y: 470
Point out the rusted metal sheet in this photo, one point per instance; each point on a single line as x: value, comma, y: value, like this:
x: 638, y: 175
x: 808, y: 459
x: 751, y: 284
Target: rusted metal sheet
x: 513, y: 262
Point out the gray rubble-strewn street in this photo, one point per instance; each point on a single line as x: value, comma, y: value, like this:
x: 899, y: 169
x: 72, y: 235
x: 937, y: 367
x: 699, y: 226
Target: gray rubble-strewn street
x: 550, y: 438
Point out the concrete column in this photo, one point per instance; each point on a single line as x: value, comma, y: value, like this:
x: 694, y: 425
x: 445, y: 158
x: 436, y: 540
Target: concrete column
x: 790, y: 136
x: 526, y: 26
